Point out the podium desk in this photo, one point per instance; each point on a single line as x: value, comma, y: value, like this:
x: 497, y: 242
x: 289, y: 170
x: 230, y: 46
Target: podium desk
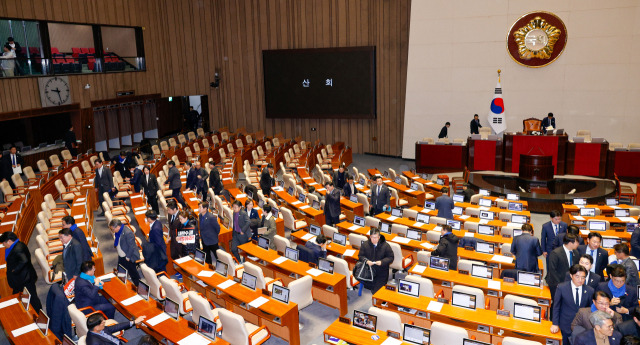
x: 314, y: 216
x: 485, y: 154
x: 544, y: 145
x: 328, y: 289
x: 15, y: 316
x: 624, y: 164
x: 440, y: 158
x: 354, y: 335
x: 484, y: 324
x: 587, y: 159
x: 413, y: 197
x: 170, y: 329
x: 495, y: 295
x: 429, y: 186
x: 281, y: 319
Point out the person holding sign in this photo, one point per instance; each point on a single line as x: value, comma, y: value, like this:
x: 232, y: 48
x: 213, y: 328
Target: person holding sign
x: 188, y: 234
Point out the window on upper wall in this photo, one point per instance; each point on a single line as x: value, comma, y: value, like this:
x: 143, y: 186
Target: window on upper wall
x: 120, y: 49
x: 21, y: 51
x: 72, y: 49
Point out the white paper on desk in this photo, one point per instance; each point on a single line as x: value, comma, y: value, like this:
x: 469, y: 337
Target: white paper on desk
x: 628, y: 219
x: 502, y: 258
x: 307, y: 178
x: 469, y: 234
x: 297, y: 202
x: 8, y: 303
x: 194, y: 339
x: 578, y: 217
x: 392, y: 218
x: 159, y: 318
x: 493, y: 284
x: 1, y: 245
x: 410, y: 190
x: 419, y: 269
x: 483, y: 221
x: 307, y: 237
x: 484, y: 208
x: 515, y: 225
x: 278, y: 189
x: 12, y: 213
x: 425, y: 210
x: 434, y: 306
x: 279, y: 260
x: 107, y: 276
x: 140, y: 208
x: 359, y: 186
x: 463, y: 217
x: 614, y: 207
x: 182, y: 260
x: 415, y: 177
x: 242, y: 195
x: 94, y: 250
x: 584, y: 232
x: 321, y: 189
x: 3, y: 266
x: 354, y: 227
x: 391, y: 341
x: 437, y: 228
x: 349, y: 252
x: 7, y: 223
x: 138, y: 213
x: 418, y: 224
x: 26, y: 329
x: 78, y: 216
x: 579, y: 206
x: 131, y: 300
x: 427, y: 245
x: 256, y: 303
x: 226, y: 284
x: 314, y: 272
x: 81, y: 224
x: 499, y: 199
x: 402, y: 240
x: 304, y: 207
x: 205, y: 273
x: 135, y: 196
x: 194, y: 199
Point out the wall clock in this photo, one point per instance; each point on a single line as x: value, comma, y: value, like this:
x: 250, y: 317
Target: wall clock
x: 54, y: 91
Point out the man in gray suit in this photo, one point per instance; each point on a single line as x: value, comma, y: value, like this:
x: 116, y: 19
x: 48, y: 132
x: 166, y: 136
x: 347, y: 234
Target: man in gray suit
x: 622, y: 255
x: 125, y: 244
x: 332, y: 205
x: 173, y: 180
x: 444, y: 204
x: 103, y: 182
x: 241, y: 232
x: 71, y: 254
x: 380, y: 196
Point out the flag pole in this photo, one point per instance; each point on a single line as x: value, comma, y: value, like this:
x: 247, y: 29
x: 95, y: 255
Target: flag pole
x: 499, y: 75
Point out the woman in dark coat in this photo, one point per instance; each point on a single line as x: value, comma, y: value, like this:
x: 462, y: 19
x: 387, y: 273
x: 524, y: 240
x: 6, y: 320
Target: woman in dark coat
x: 379, y: 256
x: 448, y: 247
x: 215, y: 182
x: 188, y: 233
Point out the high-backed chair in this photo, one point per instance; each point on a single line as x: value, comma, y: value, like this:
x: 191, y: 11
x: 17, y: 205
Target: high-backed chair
x: 203, y: 307
x: 155, y: 287
x: 509, y: 300
x: 472, y: 291
x: 65, y: 194
x: 79, y: 318
x: 409, y: 213
x: 531, y: 125
x: 399, y: 229
x: 236, y: 331
x: 290, y: 222
x: 442, y: 333
x: 233, y: 268
x: 387, y: 320
x: 362, y: 199
x: 372, y: 222
x: 328, y: 231
x: 484, y: 132
x: 437, y: 220
x: 176, y: 292
x: 399, y: 263
x: 200, y: 132
x: 614, y: 146
x: 66, y: 155
x: 281, y: 243
x: 262, y: 282
x: 466, y: 265
x: 55, y: 161
x: 584, y: 133
x: 356, y: 239
x: 300, y: 292
x: 426, y: 285
x: 47, y: 271
x: 342, y: 267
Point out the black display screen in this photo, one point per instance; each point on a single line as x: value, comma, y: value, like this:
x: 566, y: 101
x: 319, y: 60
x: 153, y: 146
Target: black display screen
x: 320, y: 83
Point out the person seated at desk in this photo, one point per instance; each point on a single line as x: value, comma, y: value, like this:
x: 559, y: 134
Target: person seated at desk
x: 319, y: 248
x: 526, y: 249
x: 548, y: 121
x: 350, y: 187
x: 467, y: 192
x: 571, y: 229
x: 87, y: 291
x: 622, y: 255
x: 550, y: 230
x: 581, y: 322
x: 599, y: 255
x: 624, y: 296
x: 630, y: 327
x: 99, y: 334
x: 443, y: 131
x: 602, y: 332
x: 568, y: 299
x: 592, y: 279
x: 448, y: 247
x: 474, y: 126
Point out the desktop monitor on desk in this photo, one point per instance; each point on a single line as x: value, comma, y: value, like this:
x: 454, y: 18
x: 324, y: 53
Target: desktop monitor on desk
x: 339, y: 238
x: 423, y: 218
x: 439, y: 263
x: 484, y: 192
x: 610, y: 242
x: 396, y: 212
x: 526, y: 312
x: 631, y: 227
x: 221, y: 268
x: 143, y: 290
x: 529, y: 279
x: 611, y: 201
x: 579, y: 201
x: 200, y: 256
x: 481, y: 271
x: 263, y: 242
x: 353, y: 198
x: 454, y: 224
x: 621, y: 212
x: 484, y: 202
x: 42, y: 321
x: 249, y: 194
x: 249, y: 280
x: 458, y: 198
x: 485, y: 247
x: 488, y: 215
x: 409, y: 288
x: 588, y: 212
x: 316, y: 204
x: 302, y: 198
x: 416, y: 335
x: 397, y: 180
x: 359, y: 221
x: 171, y: 308
x: 464, y: 300
x: 291, y: 192
x: 364, y: 321
x: 414, y: 234
x: 457, y: 210
x: 597, y: 225
x: 429, y: 205
x: 514, y: 206
x: 440, y: 181
x: 67, y: 341
x: 486, y: 230
x: 314, y: 230
x: 25, y: 298
x: 121, y: 273
x: 513, y: 196
x: 415, y: 186
x: 325, y: 265
x: 385, y: 228
x: 280, y: 294
x: 207, y: 328
x: 519, y: 219
x: 291, y: 254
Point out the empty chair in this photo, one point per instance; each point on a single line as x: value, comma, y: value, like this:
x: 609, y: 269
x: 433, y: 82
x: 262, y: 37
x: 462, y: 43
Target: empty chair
x: 236, y: 331
x: 55, y: 161
x: 613, y: 146
x: 442, y: 333
x: 200, y: 132
x: 362, y: 199
x: 281, y: 243
x: 437, y: 220
x: 484, y: 132
x: 290, y: 222
x: 409, y: 213
x: 387, y: 320
x: 509, y: 301
x: 372, y: 222
x: 400, y: 263
x: 66, y: 155
x: 472, y: 212
x: 426, y: 285
x: 472, y: 291
x: 203, y: 307
x: 233, y: 268
x: 356, y: 239
x: 465, y: 265
x: 300, y: 292
x: 392, y: 174
x: 328, y: 231
x: 399, y: 229
x: 433, y: 236
x: 584, y: 133
x: 262, y: 282
x: 342, y: 267
x: 176, y: 292
x: 151, y: 278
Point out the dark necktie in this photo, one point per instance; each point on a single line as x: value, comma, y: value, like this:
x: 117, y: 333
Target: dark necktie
x: 13, y: 157
x: 578, y: 297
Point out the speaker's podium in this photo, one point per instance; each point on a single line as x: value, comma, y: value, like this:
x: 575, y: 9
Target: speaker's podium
x: 536, y: 167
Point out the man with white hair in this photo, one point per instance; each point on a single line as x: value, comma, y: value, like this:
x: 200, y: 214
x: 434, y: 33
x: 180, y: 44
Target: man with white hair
x: 602, y: 332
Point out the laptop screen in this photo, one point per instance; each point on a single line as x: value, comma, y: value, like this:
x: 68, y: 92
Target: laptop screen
x: 143, y: 290
x: 429, y: 205
x: 514, y: 206
x: 621, y: 212
x: 598, y: 225
x: 611, y: 201
x: 200, y: 256
x: 207, y: 327
x: 528, y: 278
x: 518, y: 219
x: 485, y: 247
x: 397, y: 212
x: 339, y: 238
x: 291, y: 254
x: 484, y: 192
x: 414, y: 234
x: 481, y: 271
x: 454, y: 224
x: 359, y: 221
x: 398, y: 180
x: 526, y: 312
x: 513, y: 196
x: 325, y: 265
x: 458, y: 198
x: 263, y: 242
x: 221, y: 268
x: 280, y: 293
x: 385, y: 228
x: 416, y: 335
x: 314, y: 230
x: 485, y: 230
x: 364, y: 321
x: 422, y: 218
x: 464, y: 300
x: 409, y: 288
x: 486, y: 215
x: 171, y: 308
x: 588, y: 212
x: 249, y: 280
x: 439, y: 263
x: 122, y: 274
x: 484, y: 202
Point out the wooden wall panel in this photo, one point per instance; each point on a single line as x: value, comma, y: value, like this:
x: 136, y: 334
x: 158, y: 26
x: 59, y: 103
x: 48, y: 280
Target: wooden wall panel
x: 187, y: 41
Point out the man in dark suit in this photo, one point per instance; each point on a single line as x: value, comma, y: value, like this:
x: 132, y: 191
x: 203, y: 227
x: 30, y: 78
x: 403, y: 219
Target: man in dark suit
x: 444, y: 204
x: 602, y: 330
x: 191, y: 176
x: 149, y: 184
x: 78, y: 234
x: 215, y: 182
x: 592, y: 279
x: 103, y: 182
x: 209, y: 230
x: 121, y: 164
x: 201, y: 180
x: 339, y: 177
x: 635, y: 240
x: 467, y: 192
x: 380, y: 196
x: 526, y: 249
x: 5, y: 169
x: 448, y: 247
x: 349, y: 188
x: 571, y: 229
x: 156, y: 237
x: 266, y: 180
x: 174, y: 224
x: 99, y: 334
x: 173, y: 180
x: 568, y: 299
x: 560, y: 260
x: 548, y: 121
x: 16, y: 160
x: 72, y: 257
x: 136, y: 177
x: 475, y: 125
x: 331, y: 204
x: 318, y: 248
x: 599, y: 255
x: 549, y: 231
x: 241, y: 233
x: 70, y: 141
x: 630, y: 327
x: 624, y: 297
x: 20, y: 271
x: 443, y: 131
x: 87, y: 291
x: 128, y: 252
